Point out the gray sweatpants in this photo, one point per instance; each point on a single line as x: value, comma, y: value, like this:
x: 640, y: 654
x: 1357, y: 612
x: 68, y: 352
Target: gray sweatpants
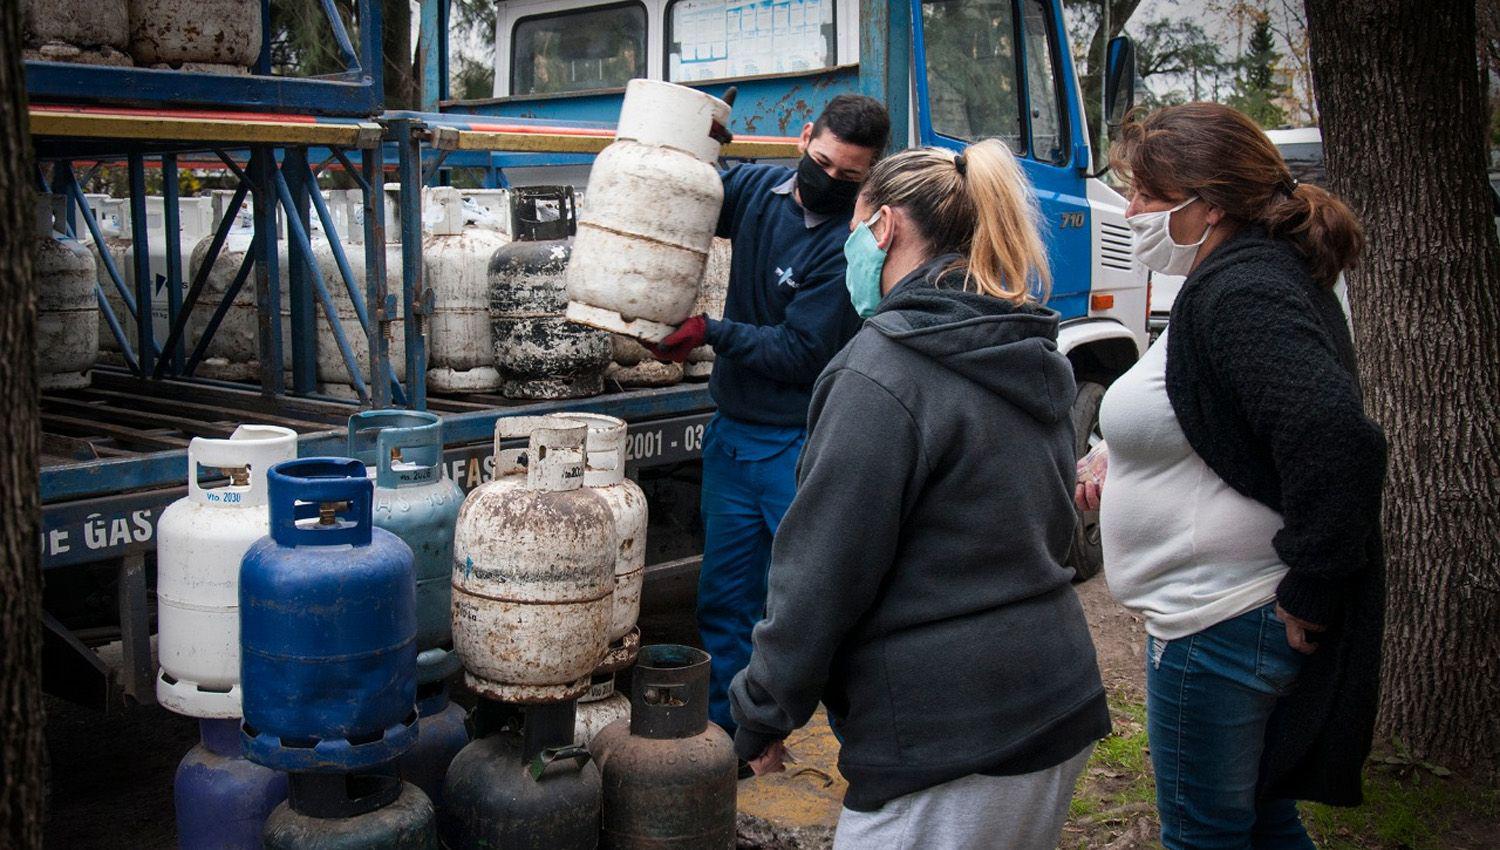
x: 1023, y: 812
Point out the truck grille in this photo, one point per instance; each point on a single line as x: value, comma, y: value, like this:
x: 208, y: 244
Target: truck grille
x: 1114, y: 246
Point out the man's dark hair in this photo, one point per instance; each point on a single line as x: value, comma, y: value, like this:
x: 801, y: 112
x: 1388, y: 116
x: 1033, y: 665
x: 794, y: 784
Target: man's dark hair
x: 856, y: 119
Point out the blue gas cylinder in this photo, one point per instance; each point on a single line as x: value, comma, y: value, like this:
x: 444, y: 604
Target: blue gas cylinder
x: 328, y: 626
x: 416, y: 501
x: 222, y: 798
x: 441, y: 733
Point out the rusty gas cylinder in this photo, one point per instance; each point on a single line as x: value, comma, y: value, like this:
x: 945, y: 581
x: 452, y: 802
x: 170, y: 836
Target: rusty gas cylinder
x: 669, y: 774
x: 214, y: 36
x: 711, y: 295
x: 533, y: 569
x: 605, y: 475
x: 538, y: 352
x: 67, y: 333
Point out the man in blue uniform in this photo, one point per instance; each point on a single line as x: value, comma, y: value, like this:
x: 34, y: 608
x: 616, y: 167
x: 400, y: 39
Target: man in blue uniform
x: 787, y: 312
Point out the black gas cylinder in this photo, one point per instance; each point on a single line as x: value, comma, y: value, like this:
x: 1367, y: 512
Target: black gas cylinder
x: 669, y: 774
x: 359, y: 811
x: 523, y: 784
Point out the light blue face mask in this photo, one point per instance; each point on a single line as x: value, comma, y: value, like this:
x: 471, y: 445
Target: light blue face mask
x: 866, y: 260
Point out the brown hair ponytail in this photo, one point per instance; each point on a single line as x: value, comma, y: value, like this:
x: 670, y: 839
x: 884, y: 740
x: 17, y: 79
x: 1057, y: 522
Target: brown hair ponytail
x: 978, y: 204
x: 1220, y: 155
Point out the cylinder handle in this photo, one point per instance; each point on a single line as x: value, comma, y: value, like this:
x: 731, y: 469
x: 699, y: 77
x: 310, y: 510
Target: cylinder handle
x: 577, y: 752
x: 333, y: 490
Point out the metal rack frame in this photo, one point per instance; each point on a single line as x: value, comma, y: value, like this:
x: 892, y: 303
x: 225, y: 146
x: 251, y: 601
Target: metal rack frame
x: 356, y: 91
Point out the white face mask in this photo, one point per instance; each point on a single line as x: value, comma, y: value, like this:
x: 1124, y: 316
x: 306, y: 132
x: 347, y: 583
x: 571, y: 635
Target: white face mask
x: 1153, y: 241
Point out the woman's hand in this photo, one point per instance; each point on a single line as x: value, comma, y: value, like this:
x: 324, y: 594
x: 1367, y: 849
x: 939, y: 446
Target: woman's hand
x: 1091, y: 470
x: 1298, y: 630
x: 773, y: 760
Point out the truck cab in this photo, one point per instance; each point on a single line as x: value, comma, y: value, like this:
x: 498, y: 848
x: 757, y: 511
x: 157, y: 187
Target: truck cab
x: 951, y: 72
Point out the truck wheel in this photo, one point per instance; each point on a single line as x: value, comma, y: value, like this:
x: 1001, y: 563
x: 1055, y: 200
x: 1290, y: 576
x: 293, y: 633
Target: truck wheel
x: 1086, y: 556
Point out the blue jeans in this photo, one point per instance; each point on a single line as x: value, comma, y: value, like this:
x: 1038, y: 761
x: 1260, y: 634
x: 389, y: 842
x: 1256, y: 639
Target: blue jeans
x: 748, y: 483
x: 1208, y: 698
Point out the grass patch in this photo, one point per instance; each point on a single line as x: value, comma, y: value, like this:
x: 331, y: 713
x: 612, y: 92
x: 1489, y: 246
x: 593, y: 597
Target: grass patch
x: 1409, y: 810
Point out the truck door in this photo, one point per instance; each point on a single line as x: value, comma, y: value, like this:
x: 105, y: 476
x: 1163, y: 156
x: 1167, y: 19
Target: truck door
x: 998, y: 69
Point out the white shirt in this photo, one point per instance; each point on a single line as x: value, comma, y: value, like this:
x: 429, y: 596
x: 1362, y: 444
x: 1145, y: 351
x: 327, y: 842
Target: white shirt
x: 1181, y: 547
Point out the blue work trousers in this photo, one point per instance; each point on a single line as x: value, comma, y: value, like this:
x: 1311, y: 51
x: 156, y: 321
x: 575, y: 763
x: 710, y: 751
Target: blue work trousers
x: 747, y: 487
x: 1208, y: 698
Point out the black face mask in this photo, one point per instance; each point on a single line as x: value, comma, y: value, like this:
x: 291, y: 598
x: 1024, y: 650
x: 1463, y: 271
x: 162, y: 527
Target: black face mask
x: 823, y: 194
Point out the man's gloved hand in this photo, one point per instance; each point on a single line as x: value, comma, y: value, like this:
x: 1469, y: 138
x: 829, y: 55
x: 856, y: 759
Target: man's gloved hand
x: 679, y: 343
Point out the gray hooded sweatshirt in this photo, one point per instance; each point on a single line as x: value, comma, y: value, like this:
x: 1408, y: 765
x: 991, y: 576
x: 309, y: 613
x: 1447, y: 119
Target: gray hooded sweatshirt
x: 917, y: 585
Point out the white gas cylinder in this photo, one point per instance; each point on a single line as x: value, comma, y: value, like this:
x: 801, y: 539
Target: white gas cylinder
x: 200, y: 541
x: 333, y: 373
x: 598, y: 708
x: 605, y: 475
x: 653, y: 203
x: 458, y: 240
x: 533, y: 569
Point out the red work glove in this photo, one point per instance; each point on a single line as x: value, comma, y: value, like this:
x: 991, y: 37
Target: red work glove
x: 679, y: 343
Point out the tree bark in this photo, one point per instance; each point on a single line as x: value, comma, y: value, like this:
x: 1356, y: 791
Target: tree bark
x: 1404, y: 111
x: 22, y: 752
x: 400, y: 81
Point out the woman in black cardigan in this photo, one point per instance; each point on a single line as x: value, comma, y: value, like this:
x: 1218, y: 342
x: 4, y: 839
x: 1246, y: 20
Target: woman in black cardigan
x: 1242, y: 505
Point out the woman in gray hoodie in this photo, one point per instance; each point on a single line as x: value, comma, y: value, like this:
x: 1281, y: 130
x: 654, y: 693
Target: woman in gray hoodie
x: 917, y: 585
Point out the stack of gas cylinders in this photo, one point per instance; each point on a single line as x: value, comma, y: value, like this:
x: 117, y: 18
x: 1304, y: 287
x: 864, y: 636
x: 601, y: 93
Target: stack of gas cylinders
x: 328, y: 631
x: 222, y: 799
x: 314, y: 613
x: 547, y: 567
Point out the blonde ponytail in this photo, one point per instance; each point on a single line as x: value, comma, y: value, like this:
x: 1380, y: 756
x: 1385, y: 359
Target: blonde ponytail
x: 1007, y: 250
x: 978, y: 204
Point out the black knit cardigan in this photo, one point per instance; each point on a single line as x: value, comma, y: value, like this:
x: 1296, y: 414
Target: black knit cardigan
x: 1261, y: 376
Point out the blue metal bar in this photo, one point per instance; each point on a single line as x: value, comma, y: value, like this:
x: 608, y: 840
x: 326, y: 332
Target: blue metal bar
x: 372, y: 68
x: 267, y: 274
x: 431, y: 173
x: 382, y: 382
x: 346, y: 272
x: 340, y: 36
x: 223, y: 307
x: 114, y: 328
x: 109, y: 263
x: 176, y: 336
x: 304, y: 312
x: 431, y: 47
x: 359, y: 179
x: 232, y: 166
x: 297, y: 234
x: 140, y: 240
x: 416, y: 297
x: 171, y: 220
x: 355, y: 95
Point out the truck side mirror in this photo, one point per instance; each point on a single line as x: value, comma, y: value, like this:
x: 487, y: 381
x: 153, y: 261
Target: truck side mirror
x: 1119, y: 80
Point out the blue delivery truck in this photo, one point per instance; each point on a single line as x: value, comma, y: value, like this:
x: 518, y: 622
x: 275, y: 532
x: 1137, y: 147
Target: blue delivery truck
x: 951, y: 72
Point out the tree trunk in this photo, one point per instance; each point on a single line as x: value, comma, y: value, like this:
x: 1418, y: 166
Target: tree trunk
x: 400, y: 82
x: 22, y: 751
x: 1404, y: 114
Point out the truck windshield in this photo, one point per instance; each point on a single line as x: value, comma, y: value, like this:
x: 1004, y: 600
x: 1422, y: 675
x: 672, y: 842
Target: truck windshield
x: 714, y: 39
x: 971, y: 70
x: 595, y: 48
